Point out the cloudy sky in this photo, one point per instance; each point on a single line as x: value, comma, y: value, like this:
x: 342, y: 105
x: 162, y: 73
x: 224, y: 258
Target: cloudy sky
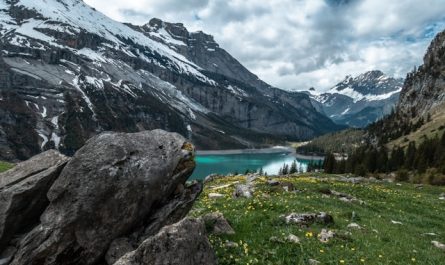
x: 297, y: 44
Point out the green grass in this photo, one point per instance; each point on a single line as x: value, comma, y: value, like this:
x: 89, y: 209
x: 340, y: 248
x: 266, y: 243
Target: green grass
x: 379, y: 241
x: 5, y: 166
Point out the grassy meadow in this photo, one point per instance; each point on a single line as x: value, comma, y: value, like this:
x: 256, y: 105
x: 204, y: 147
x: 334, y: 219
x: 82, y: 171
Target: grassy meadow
x: 397, y: 222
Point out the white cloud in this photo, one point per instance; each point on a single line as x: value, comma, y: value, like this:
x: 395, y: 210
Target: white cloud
x: 296, y: 44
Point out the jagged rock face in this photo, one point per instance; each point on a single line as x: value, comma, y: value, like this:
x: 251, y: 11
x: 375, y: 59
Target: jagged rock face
x: 68, y: 72
x: 424, y: 89
x: 359, y: 101
x: 113, y: 186
x: 174, y: 245
x: 23, y: 193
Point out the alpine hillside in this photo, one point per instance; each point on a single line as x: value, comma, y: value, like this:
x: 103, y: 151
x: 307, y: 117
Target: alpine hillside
x: 359, y: 101
x: 420, y: 112
x: 68, y: 72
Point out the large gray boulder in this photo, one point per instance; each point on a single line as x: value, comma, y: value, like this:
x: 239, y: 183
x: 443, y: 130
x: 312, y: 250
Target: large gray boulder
x: 23, y: 193
x: 172, y: 212
x: 183, y: 243
x: 109, y: 188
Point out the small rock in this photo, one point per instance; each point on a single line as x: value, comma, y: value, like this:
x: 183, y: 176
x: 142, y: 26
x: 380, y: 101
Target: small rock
x: 313, y: 262
x: 325, y: 235
x: 287, y: 186
x: 418, y: 186
x: 231, y: 244
x: 342, y: 196
x: 275, y: 239
x: 211, y: 178
x: 251, y: 178
x: 429, y: 234
x: 273, y: 182
x: 306, y: 219
x: 442, y: 196
x: 293, y: 239
x: 242, y: 190
x: 215, y: 196
x: 438, y: 245
x: 354, y: 226
x: 217, y: 224
x: 396, y: 222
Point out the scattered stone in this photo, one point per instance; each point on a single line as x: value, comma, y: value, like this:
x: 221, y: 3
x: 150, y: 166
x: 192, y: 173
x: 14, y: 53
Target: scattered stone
x: 342, y: 196
x: 251, y: 178
x: 212, y: 177
x: 231, y: 244
x: 273, y: 182
x: 442, y: 196
x: 354, y: 226
x: 243, y: 191
x: 183, y: 243
x: 293, y: 239
x: 23, y: 193
x: 216, y: 224
x: 325, y: 235
x: 215, y: 196
x: 396, y: 222
x: 112, y: 185
x: 399, y: 184
x: 287, y: 186
x: 275, y: 239
x: 438, y: 245
x: 429, y: 234
x: 307, y: 219
x: 313, y: 262
x: 418, y: 186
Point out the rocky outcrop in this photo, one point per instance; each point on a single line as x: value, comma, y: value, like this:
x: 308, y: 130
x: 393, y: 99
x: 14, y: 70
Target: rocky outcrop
x: 117, y: 192
x: 174, y: 245
x: 424, y: 89
x: 23, y: 193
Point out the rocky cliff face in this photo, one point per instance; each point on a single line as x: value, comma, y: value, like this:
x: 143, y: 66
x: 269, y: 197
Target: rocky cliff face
x: 359, y: 101
x: 120, y: 193
x: 67, y: 72
x: 424, y: 89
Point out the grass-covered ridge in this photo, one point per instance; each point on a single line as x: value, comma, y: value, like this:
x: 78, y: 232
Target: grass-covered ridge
x: 381, y: 239
x: 5, y: 166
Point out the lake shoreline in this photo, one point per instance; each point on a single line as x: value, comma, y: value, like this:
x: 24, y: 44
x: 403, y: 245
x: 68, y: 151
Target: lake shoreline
x: 271, y: 150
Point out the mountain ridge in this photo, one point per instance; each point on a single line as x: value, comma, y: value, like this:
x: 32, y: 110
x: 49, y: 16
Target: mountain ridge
x: 359, y: 101
x: 69, y: 72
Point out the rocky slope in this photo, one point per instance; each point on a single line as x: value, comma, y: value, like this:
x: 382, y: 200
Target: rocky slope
x: 120, y: 194
x: 420, y: 111
x: 424, y: 89
x: 67, y: 72
x: 359, y: 101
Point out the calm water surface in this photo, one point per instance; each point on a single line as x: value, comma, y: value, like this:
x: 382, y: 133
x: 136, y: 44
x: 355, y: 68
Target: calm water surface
x: 225, y: 164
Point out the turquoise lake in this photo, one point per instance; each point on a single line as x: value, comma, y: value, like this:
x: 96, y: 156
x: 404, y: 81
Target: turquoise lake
x: 226, y: 164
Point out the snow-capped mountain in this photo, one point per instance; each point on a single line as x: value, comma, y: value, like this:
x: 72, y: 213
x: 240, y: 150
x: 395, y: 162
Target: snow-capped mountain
x: 68, y: 72
x: 359, y: 101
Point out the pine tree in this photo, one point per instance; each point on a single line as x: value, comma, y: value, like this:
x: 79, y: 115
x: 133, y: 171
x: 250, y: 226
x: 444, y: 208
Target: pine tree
x: 293, y: 167
x: 329, y: 164
x: 285, y: 169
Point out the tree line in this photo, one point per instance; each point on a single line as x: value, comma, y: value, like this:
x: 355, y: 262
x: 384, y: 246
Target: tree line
x: 428, y: 157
